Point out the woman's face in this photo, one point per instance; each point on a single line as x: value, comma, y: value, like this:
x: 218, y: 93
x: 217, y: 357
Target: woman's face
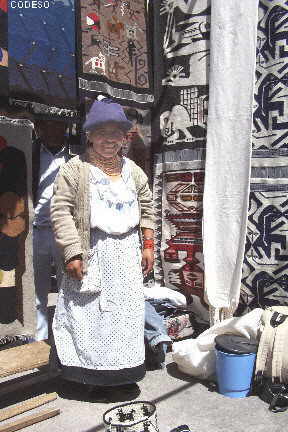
x: 107, y: 139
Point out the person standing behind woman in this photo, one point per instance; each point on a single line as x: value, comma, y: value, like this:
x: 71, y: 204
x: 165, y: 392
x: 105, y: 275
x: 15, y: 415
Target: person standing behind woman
x: 50, y: 151
x: 101, y: 203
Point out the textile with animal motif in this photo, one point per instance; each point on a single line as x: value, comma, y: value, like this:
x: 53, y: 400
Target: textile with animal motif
x: 182, y: 32
x: 114, y: 55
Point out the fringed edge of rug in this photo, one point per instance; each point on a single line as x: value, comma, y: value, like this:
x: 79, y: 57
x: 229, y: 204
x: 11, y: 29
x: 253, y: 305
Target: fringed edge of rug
x: 115, y: 92
x: 5, y: 341
x: 42, y: 109
x: 16, y: 122
x: 217, y: 315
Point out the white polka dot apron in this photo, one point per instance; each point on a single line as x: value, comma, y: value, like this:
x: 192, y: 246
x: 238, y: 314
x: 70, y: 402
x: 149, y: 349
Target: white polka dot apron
x: 102, y: 327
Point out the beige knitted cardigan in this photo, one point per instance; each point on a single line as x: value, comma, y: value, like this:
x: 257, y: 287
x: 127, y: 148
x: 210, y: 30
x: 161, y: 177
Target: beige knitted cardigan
x: 70, y: 207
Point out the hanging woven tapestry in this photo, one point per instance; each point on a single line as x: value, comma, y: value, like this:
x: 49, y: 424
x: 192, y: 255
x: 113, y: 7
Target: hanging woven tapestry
x: 182, y: 32
x: 265, y: 279
x: 42, y: 53
x: 114, y: 49
x: 270, y: 134
x: 17, y: 304
x: 181, y: 58
x: 178, y: 196
x: 266, y: 257
x: 3, y: 48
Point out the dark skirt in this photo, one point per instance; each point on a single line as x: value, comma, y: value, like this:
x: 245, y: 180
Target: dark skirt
x: 96, y: 377
x: 103, y: 377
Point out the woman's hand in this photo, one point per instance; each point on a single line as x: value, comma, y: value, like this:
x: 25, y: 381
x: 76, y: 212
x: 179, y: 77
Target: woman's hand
x: 147, y: 260
x: 75, y: 268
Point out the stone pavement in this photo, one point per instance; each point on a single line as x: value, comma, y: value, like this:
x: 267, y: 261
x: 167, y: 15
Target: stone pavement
x: 179, y: 399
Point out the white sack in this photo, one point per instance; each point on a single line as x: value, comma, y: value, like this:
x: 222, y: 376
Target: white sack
x: 197, y: 357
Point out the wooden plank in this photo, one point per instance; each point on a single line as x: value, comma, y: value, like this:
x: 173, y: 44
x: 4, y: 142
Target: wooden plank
x: 22, y: 383
x: 23, y: 358
x: 29, y: 420
x: 27, y: 405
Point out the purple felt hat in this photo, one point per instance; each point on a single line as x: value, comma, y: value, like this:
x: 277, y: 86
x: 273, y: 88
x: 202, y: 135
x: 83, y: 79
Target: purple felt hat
x: 106, y: 111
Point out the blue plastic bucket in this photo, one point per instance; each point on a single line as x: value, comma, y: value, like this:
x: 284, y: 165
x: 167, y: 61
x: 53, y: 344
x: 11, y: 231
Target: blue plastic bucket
x: 234, y: 370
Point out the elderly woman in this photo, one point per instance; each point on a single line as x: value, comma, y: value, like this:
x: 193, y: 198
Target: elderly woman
x: 101, y: 204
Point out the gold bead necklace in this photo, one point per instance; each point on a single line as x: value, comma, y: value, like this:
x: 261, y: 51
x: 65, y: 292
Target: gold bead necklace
x: 110, y: 166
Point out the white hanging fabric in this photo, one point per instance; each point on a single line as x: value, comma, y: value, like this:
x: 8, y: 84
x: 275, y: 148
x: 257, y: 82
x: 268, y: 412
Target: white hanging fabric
x: 227, y: 172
